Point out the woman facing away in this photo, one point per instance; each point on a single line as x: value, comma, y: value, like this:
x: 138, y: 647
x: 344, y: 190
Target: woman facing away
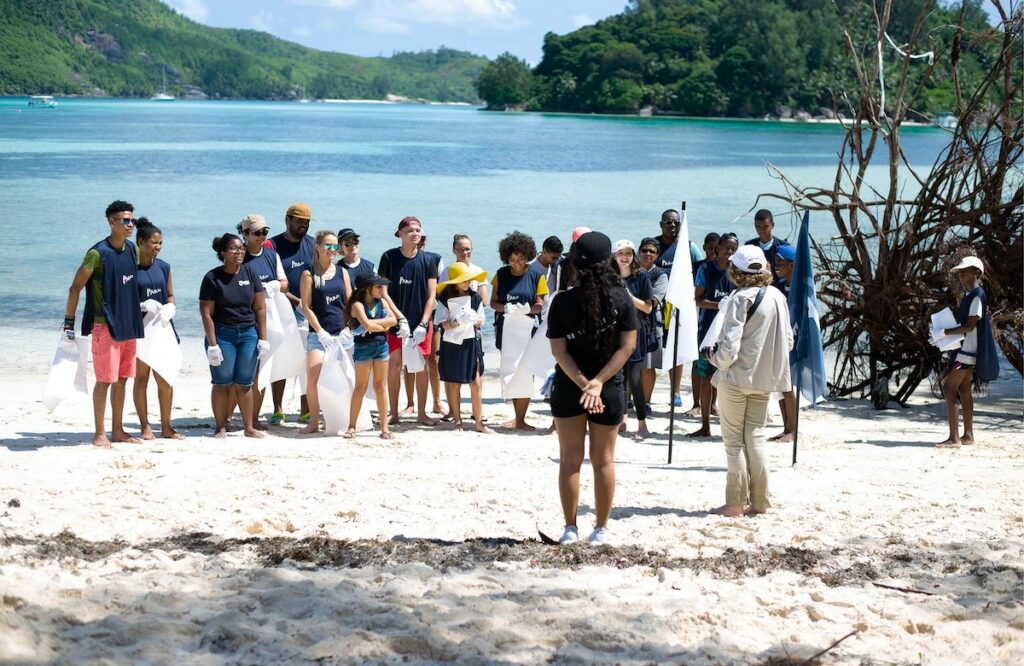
x: 157, y: 293
x: 592, y: 330
x: 977, y: 356
x: 324, y: 290
x: 752, y: 357
x: 231, y: 303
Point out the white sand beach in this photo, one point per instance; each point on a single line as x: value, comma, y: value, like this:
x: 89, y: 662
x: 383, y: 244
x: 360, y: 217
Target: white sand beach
x: 425, y: 548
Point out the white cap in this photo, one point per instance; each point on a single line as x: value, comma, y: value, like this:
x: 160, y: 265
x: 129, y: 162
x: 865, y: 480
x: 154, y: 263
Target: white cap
x: 253, y: 222
x: 623, y: 244
x: 969, y: 262
x: 750, y: 259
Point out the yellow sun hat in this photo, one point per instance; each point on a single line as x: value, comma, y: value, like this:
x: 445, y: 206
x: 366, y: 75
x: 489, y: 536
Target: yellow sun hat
x: 460, y: 272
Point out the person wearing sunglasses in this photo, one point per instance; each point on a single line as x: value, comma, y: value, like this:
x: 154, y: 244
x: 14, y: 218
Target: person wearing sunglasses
x: 325, y: 290
x: 112, y: 316
x: 353, y: 264
x: 263, y: 259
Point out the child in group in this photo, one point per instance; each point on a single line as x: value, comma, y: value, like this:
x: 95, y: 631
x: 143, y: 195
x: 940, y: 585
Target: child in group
x: 462, y: 362
x: 370, y: 320
x: 977, y: 355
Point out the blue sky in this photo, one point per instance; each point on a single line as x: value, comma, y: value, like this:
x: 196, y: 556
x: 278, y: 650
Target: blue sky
x: 380, y: 27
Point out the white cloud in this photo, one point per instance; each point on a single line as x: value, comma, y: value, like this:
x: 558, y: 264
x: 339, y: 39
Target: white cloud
x: 324, y: 4
x: 194, y: 9
x: 262, y: 20
x: 389, y: 15
x: 580, y: 20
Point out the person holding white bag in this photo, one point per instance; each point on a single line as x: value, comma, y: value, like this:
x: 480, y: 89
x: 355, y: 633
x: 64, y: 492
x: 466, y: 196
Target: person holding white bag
x: 462, y: 352
x: 324, y: 289
x: 156, y: 293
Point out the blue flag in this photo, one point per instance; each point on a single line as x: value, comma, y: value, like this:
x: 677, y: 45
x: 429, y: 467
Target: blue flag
x: 807, y: 360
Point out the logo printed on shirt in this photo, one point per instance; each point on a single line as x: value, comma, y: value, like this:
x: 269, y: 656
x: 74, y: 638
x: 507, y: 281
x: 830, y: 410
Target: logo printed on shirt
x: 244, y: 283
x: 402, y: 280
x: 153, y: 292
x: 331, y: 299
x: 298, y: 264
x: 125, y: 279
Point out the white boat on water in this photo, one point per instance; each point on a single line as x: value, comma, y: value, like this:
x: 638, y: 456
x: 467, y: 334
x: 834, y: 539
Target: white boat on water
x: 162, y: 96
x: 42, y: 101
x: 946, y: 121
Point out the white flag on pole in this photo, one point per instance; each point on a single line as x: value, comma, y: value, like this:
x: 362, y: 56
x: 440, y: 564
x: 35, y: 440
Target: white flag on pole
x: 684, y: 311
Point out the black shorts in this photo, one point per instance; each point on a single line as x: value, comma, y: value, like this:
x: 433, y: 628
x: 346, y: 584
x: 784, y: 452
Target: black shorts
x: 565, y: 401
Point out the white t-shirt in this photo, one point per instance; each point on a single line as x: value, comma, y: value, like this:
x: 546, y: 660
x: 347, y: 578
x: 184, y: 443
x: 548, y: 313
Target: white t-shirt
x: 970, y: 343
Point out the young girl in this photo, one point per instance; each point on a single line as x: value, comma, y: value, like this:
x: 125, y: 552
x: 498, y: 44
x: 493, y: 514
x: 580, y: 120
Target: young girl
x: 977, y: 354
x: 157, y: 294
x: 370, y: 320
x: 463, y: 362
x: 324, y: 289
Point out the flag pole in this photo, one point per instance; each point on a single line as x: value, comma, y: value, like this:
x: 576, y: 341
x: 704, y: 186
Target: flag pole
x: 674, y: 372
x: 796, y: 425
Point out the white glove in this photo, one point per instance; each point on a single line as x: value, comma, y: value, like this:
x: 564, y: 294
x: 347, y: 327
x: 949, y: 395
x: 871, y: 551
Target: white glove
x: 214, y: 356
x: 347, y: 339
x: 403, y: 328
x: 419, y: 335
x: 167, y: 311
x: 262, y: 349
x: 326, y: 339
x: 473, y: 286
x: 150, y: 306
x: 271, y: 287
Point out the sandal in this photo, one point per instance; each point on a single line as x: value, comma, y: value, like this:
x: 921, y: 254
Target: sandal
x: 277, y: 418
x: 386, y: 435
x: 349, y: 434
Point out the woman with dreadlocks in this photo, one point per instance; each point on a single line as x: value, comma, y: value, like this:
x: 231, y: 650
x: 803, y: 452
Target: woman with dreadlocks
x: 592, y: 329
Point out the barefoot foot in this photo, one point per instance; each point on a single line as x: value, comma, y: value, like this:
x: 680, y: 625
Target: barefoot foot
x: 171, y: 433
x: 703, y: 432
x: 310, y: 429
x: 426, y: 420
x: 386, y: 434
x: 253, y: 432
x: 101, y: 441
x: 124, y: 438
x: 949, y: 444
x: 147, y: 433
x: 728, y: 510
x: 524, y: 426
x: 220, y: 433
x: 481, y: 427
x: 782, y: 438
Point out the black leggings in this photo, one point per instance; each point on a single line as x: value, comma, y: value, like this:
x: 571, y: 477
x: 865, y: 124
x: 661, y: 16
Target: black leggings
x: 636, y: 389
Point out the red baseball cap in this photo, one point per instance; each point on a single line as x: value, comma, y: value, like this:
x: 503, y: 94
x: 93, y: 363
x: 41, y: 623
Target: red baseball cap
x: 406, y: 222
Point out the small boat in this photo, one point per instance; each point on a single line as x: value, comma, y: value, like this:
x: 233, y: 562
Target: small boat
x: 42, y: 101
x: 162, y: 96
x: 946, y: 121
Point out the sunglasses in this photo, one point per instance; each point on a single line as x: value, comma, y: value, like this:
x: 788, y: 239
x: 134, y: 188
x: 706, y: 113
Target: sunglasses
x: 331, y: 246
x: 128, y: 221
x: 351, y: 243
x: 648, y: 250
x: 265, y: 231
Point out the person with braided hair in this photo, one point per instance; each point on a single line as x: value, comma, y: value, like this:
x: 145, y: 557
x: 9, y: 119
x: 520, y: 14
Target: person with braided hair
x: 592, y: 329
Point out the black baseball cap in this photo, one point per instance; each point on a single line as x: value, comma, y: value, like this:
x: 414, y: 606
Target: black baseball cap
x: 347, y: 233
x: 364, y: 280
x: 592, y: 248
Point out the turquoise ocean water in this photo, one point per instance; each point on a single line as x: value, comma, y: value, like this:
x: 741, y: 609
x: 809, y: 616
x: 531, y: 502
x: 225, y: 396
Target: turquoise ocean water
x: 196, y: 168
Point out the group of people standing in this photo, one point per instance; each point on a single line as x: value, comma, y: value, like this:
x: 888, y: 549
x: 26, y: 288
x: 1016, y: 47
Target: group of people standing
x: 600, y: 305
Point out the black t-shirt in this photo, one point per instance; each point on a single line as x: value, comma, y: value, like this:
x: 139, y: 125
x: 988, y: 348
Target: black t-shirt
x: 564, y: 319
x: 232, y: 295
x: 408, y: 289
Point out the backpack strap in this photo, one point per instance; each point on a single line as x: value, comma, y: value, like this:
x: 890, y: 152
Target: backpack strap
x: 757, y: 302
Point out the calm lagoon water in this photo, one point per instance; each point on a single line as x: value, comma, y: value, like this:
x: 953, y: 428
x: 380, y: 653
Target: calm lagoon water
x: 196, y: 168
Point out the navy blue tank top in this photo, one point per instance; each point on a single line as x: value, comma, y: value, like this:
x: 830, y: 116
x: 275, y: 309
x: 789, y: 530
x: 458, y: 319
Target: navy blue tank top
x: 263, y: 264
x: 328, y: 302
x: 120, y: 289
x: 375, y: 311
x: 153, y: 281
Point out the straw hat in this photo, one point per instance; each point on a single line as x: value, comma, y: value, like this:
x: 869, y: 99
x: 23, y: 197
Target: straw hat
x: 460, y: 272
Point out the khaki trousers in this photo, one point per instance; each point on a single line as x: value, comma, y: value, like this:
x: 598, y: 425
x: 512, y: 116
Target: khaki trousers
x: 742, y: 415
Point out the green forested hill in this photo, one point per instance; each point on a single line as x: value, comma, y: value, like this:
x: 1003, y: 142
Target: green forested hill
x: 727, y: 57
x: 124, y: 47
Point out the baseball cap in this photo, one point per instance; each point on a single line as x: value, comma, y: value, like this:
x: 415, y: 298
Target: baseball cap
x: 254, y: 222
x: 579, y: 231
x: 750, y: 259
x: 624, y: 244
x: 407, y: 221
x: 592, y: 248
x: 300, y: 210
x: 364, y: 280
x: 969, y: 262
x: 347, y: 233
x: 786, y: 252
x: 650, y: 241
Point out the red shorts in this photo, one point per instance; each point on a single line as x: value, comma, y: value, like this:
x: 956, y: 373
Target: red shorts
x: 112, y: 360
x: 395, y: 342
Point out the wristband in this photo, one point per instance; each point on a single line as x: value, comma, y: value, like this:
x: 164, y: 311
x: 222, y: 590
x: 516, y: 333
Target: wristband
x: 69, y: 323
x: 423, y: 324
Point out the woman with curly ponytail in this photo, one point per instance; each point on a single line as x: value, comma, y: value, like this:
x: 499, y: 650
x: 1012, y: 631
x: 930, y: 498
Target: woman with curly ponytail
x: 592, y: 329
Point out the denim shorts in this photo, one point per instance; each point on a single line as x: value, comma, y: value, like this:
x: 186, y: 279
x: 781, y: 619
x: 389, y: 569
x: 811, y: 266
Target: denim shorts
x: 367, y: 352
x: 313, y: 342
x: 238, y: 345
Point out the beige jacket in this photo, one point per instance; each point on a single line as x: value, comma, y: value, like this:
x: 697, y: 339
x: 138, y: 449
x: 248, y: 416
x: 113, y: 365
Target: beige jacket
x: 754, y: 354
